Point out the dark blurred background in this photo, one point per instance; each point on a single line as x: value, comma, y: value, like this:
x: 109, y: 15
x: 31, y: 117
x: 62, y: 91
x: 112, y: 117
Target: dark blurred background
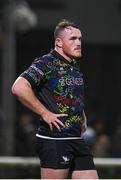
x: 26, y: 32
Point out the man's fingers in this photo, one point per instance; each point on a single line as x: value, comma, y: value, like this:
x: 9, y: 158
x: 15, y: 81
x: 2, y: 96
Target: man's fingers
x: 61, y: 115
x: 56, y: 122
x: 51, y: 127
x: 59, y: 122
x: 56, y: 125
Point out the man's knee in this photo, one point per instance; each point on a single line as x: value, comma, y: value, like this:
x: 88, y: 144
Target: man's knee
x: 85, y: 174
x: 48, y: 173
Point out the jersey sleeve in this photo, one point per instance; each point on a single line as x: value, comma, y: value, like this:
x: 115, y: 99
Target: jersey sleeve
x: 36, y: 73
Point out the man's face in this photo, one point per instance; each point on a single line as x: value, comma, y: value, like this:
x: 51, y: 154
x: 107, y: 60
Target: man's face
x: 71, y: 42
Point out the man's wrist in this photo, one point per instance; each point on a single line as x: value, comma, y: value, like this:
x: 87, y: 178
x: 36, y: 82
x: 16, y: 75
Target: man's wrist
x: 43, y: 111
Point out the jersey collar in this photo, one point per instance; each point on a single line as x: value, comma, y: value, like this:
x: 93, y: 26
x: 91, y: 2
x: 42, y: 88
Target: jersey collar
x: 60, y: 57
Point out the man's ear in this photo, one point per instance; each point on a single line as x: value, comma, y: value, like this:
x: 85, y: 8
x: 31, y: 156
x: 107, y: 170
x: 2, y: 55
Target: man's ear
x: 58, y: 42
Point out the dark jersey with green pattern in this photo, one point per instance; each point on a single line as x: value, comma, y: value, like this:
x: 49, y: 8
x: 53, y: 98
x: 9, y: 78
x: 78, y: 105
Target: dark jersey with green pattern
x: 59, y: 85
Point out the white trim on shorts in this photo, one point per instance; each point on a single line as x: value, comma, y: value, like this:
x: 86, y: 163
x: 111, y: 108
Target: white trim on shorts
x: 66, y: 138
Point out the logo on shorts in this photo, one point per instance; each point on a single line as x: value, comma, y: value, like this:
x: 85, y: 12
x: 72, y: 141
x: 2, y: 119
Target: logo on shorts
x: 65, y: 160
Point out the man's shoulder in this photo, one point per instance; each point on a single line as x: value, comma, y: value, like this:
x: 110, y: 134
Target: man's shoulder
x: 44, y: 59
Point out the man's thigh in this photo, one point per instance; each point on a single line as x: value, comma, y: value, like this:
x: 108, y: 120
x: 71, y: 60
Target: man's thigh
x: 85, y: 174
x: 48, y: 173
x: 84, y: 168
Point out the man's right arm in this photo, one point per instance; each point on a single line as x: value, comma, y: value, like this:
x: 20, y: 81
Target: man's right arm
x: 23, y: 90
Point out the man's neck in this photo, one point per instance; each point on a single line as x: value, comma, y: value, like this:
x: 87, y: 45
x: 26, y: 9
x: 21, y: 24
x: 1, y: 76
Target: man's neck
x: 60, y: 51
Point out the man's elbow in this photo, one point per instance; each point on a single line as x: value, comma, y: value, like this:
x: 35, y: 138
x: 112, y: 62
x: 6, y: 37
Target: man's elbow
x: 17, y: 86
x: 20, y: 86
x: 15, y: 89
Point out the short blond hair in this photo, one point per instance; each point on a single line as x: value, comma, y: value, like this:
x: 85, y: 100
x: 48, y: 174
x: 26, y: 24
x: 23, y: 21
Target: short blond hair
x: 64, y: 23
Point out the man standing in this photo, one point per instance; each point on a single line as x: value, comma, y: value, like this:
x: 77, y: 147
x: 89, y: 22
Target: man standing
x: 53, y: 88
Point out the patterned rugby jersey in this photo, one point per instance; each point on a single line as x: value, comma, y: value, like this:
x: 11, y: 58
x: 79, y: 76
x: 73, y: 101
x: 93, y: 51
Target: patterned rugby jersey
x: 59, y: 85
